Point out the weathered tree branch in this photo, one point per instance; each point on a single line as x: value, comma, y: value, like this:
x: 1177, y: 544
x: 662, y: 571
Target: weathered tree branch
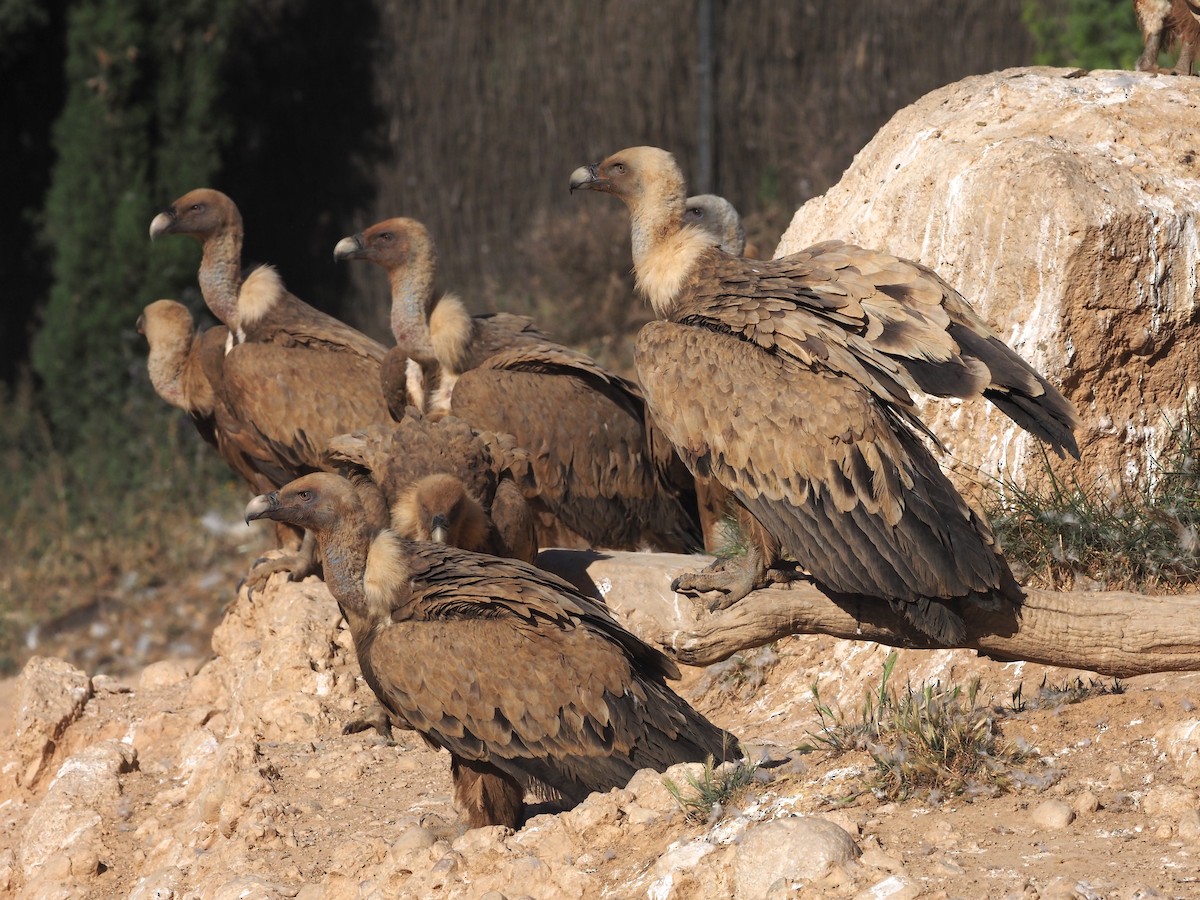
x: 1113, y: 633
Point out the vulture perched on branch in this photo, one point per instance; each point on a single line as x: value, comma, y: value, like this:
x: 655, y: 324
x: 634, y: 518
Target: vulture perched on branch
x: 526, y: 682
x: 426, y: 469
x: 597, y: 468
x: 789, y: 382
x: 292, y: 377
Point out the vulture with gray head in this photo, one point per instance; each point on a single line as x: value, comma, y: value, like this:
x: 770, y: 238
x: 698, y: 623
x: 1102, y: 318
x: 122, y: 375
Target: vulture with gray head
x: 789, y: 381
x: 292, y: 377
x: 597, y: 469
x: 717, y: 215
x: 525, y: 681
x: 432, y: 473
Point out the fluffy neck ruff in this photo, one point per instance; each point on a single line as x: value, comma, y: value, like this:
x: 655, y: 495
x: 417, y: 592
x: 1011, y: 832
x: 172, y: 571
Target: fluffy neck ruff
x: 452, y: 331
x: 221, y: 275
x: 262, y: 289
x: 664, y: 249
x: 386, y: 580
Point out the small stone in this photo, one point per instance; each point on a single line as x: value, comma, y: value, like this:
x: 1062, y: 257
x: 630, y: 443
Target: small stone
x: 1189, y: 826
x: 1085, y: 803
x: 894, y: 887
x: 106, y: 684
x: 795, y: 847
x: 1053, y: 814
x: 877, y: 859
x: 413, y: 838
x: 165, y: 673
x: 481, y: 840
x: 1169, y: 801
x: 492, y: 895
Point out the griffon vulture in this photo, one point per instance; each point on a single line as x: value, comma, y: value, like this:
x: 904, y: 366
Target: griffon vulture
x: 521, y: 678
x: 1167, y: 22
x: 423, y: 467
x: 292, y: 377
x: 788, y: 381
x: 585, y: 428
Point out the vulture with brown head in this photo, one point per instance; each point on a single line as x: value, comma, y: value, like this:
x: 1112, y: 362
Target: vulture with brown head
x: 292, y: 377
x: 432, y: 474
x: 594, y: 463
x: 790, y: 382
x: 441, y: 632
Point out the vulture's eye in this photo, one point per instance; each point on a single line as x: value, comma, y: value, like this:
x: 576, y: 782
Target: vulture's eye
x: 197, y: 207
x: 387, y: 236
x: 618, y: 168
x: 696, y: 212
x: 304, y: 495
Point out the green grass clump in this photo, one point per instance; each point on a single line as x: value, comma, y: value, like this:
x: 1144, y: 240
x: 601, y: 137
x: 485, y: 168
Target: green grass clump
x: 931, y: 741
x: 706, y: 796
x: 1139, y: 535
x: 1049, y: 696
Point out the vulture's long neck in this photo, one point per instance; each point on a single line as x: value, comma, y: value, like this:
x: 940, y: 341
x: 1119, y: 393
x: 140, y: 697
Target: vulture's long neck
x: 221, y: 274
x: 664, y: 250
x: 165, y: 364
x: 344, y: 551
x: 412, y: 301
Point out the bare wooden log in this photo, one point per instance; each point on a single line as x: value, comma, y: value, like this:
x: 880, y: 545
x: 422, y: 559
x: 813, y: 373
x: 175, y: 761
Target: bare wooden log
x: 1113, y: 633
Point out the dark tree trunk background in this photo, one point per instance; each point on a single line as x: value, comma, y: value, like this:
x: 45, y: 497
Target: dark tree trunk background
x: 490, y: 106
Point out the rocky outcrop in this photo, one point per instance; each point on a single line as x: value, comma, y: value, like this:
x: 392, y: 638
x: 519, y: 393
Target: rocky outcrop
x: 1066, y: 207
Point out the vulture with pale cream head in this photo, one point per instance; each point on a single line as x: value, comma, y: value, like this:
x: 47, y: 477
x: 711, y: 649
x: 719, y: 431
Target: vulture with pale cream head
x: 292, y: 377
x: 789, y: 381
x: 597, y: 470
x: 445, y: 636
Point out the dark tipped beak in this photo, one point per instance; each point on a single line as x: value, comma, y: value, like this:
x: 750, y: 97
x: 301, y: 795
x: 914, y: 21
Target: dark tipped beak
x: 585, y: 178
x: 141, y: 324
x: 439, y: 528
x: 162, y: 223
x: 262, y: 506
x: 348, y: 247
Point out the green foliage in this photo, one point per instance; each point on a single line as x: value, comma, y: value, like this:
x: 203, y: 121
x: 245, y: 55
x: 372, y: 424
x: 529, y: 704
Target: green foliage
x: 934, y: 740
x: 1134, y: 535
x: 138, y: 127
x: 1090, y: 34
x: 709, y: 794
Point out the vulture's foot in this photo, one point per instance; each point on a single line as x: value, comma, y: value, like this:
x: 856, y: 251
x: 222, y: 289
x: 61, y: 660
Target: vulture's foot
x: 723, y: 582
x: 726, y: 581
x: 379, y: 722
x: 298, y: 565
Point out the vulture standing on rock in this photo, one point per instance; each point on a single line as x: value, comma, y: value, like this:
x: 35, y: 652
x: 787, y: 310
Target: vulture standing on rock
x: 425, y: 469
x: 789, y: 382
x: 598, y: 471
x: 292, y: 376
x: 526, y: 682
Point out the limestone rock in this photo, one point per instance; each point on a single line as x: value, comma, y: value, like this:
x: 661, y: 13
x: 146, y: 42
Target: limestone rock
x: 795, y: 848
x: 1053, y: 814
x: 51, y: 694
x: 1066, y: 210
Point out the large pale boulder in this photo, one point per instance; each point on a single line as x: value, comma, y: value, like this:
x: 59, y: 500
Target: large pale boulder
x: 1065, y: 207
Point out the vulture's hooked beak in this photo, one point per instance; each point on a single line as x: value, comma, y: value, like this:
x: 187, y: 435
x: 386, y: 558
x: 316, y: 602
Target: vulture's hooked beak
x: 141, y: 324
x: 262, y: 506
x: 348, y: 247
x: 162, y: 223
x: 585, y: 178
x: 439, y: 530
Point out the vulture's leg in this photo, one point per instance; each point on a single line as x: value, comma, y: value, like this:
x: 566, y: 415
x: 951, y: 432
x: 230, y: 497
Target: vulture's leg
x: 298, y: 565
x: 1148, y: 61
x: 485, y: 795
x: 1187, y: 52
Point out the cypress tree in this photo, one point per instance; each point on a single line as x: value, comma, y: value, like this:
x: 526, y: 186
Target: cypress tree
x: 139, y: 126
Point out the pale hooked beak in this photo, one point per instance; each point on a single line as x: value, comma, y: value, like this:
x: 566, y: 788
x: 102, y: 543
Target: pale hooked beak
x: 348, y: 247
x: 439, y: 530
x: 262, y: 506
x: 160, y: 223
x: 583, y: 178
